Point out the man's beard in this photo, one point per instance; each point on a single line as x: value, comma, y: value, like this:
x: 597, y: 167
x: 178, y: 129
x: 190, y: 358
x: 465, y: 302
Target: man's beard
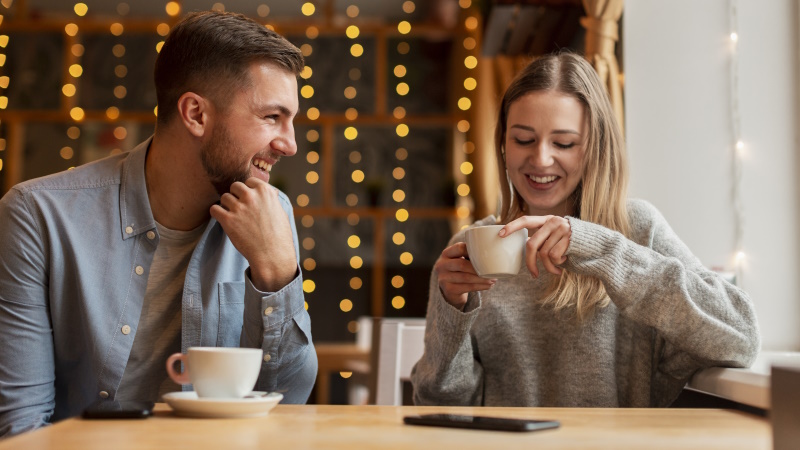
x: 217, y: 154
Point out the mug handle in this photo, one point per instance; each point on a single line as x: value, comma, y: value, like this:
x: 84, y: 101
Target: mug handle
x: 180, y: 378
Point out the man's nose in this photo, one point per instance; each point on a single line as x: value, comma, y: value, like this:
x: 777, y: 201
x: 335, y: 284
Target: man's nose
x: 285, y: 143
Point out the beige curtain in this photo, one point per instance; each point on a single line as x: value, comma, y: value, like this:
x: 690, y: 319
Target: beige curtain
x: 602, y: 33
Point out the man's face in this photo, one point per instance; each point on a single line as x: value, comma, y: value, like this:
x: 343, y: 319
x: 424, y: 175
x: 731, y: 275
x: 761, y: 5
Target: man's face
x: 254, y: 130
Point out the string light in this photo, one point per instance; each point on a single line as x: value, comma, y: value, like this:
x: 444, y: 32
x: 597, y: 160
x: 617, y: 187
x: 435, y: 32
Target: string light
x: 738, y: 207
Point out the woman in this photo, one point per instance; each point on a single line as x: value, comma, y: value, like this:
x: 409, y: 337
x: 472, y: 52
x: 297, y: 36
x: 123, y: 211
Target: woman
x: 612, y: 309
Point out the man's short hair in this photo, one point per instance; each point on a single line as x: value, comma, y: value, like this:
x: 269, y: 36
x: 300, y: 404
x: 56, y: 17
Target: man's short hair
x: 209, y: 53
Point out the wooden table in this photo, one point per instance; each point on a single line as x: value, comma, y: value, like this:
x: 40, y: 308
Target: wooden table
x: 337, y: 357
x: 361, y: 427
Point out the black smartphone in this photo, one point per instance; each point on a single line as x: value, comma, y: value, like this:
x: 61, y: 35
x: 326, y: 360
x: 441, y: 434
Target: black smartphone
x: 480, y: 422
x: 111, y: 409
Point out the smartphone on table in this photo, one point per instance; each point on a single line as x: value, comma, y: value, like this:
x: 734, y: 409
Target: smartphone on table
x: 111, y: 409
x: 480, y: 422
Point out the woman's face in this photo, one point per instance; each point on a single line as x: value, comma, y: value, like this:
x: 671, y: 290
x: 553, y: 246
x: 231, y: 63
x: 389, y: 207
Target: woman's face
x: 545, y: 139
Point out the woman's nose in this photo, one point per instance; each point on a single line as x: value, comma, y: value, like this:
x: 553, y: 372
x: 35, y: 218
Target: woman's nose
x: 542, y: 155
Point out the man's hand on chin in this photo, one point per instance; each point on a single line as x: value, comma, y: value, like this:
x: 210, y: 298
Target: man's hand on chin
x: 252, y: 216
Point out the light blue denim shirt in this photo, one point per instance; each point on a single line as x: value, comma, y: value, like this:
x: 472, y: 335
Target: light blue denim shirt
x: 75, y: 252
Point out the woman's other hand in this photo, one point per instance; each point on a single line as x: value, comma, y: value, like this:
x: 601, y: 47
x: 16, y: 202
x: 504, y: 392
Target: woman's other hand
x: 457, y: 277
x: 548, y: 240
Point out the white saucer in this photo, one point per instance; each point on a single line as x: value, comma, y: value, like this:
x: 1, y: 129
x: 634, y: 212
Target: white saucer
x: 256, y: 404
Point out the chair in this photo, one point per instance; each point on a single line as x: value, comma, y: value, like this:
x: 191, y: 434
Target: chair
x: 400, y: 345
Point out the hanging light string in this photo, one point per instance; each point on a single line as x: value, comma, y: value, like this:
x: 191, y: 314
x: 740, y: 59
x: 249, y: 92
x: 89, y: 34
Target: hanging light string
x: 738, y: 151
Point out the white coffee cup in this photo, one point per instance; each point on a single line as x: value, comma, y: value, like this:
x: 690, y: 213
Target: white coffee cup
x: 218, y: 372
x: 493, y: 256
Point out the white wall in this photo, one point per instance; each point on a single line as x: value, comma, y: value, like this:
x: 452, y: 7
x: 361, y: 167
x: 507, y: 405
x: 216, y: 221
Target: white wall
x: 680, y: 139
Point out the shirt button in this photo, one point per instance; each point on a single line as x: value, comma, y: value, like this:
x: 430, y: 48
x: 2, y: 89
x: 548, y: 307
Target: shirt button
x: 268, y: 311
x: 103, y: 394
x: 267, y: 357
x: 126, y: 329
x: 151, y: 235
x: 139, y: 270
x: 129, y: 230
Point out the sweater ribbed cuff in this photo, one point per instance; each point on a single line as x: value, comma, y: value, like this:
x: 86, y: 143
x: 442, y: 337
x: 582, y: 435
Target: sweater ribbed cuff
x: 453, y: 325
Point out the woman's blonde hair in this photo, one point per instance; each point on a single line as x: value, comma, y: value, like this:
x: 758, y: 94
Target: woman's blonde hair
x: 601, y: 195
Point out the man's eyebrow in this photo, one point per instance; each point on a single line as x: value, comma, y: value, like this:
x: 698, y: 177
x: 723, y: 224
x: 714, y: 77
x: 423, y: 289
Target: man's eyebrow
x: 271, y: 107
x: 527, y: 128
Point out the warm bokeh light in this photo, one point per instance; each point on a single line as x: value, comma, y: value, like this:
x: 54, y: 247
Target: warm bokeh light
x: 353, y: 219
x: 350, y: 92
x: 68, y: 89
x: 120, y: 71
x: 352, y: 11
x: 398, y: 302
x: 351, y: 200
x: 309, y: 286
x: 218, y: 7
x: 356, y: 283
x: 117, y: 29
x: 118, y: 50
x: 402, y: 88
x: 81, y: 9
x: 76, y: 70
x: 401, y: 130
x: 312, y: 32
x: 463, y: 126
x: 463, y: 189
x: 158, y: 46
x: 465, y: 3
x: 406, y: 258
x: 312, y: 113
x: 350, y: 133
x: 3, y: 102
x: 404, y: 27
x: 312, y: 135
x: 345, y: 375
x: 470, y: 43
x: 306, y: 73
x: 355, y: 157
x: 409, y: 7
x: 120, y: 92
x: 352, y: 31
x: 398, y: 195
x: 307, y: 221
x: 356, y: 262
x: 307, y: 91
x: 77, y: 50
x: 357, y: 176
x: 397, y: 281
x: 399, y: 71
x: 77, y: 113
x: 66, y: 153
x: 309, y: 243
x: 3, y: 40
x: 466, y: 168
x: 401, y: 154
x: 71, y: 29
x: 464, y: 103
x: 356, y: 50
x: 73, y: 132
x: 353, y: 241
x: 312, y: 157
x: 398, y: 173
x: 470, y: 84
x: 469, y: 147
x: 162, y: 29
x: 173, y: 8
x: 346, y: 305
x: 471, y: 23
x: 302, y: 200
x: 399, y: 112
x: 155, y: 111
x: 262, y: 10
x: 120, y: 133
x: 306, y: 50
x: 399, y: 238
x: 351, y: 114
x: 401, y: 215
x: 403, y: 48
x: 308, y: 8
x: 312, y: 177
x: 462, y: 212
x: 470, y: 62
x: 309, y: 264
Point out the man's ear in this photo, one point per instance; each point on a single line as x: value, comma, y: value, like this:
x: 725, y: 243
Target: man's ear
x: 195, y: 113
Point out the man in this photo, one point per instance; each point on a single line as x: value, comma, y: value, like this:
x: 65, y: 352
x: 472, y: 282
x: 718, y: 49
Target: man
x: 107, y: 269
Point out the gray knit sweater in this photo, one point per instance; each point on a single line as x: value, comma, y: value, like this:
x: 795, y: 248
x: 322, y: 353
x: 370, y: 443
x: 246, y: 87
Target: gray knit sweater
x: 668, y: 317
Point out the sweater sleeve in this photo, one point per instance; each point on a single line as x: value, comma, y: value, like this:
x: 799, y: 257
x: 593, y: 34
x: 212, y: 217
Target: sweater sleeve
x: 703, y: 320
x: 449, y: 372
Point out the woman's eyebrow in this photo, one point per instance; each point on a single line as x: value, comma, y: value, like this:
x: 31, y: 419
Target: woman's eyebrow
x: 527, y: 128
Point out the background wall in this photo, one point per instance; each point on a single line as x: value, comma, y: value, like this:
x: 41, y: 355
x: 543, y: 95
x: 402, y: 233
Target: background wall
x: 677, y: 73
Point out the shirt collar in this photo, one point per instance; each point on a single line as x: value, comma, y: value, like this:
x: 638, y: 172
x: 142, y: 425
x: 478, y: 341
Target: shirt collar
x: 134, y: 205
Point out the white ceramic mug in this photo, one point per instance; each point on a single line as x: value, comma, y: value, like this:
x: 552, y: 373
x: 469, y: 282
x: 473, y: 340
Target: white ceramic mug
x: 493, y: 256
x: 218, y: 372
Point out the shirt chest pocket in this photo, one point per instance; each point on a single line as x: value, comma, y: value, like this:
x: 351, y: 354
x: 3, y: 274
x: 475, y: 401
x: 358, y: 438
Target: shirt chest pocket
x: 231, y: 313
